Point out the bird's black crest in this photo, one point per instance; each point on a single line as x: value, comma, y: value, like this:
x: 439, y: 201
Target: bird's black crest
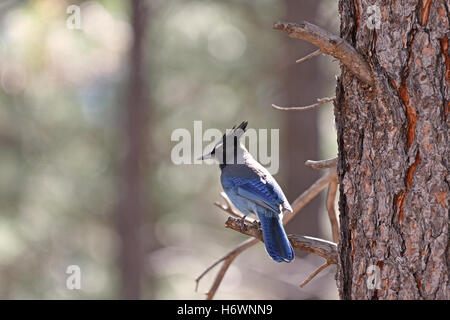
x: 236, y: 135
x: 242, y: 126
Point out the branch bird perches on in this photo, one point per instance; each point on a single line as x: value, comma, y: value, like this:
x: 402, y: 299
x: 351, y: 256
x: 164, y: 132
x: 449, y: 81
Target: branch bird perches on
x: 320, y: 247
x: 323, y: 248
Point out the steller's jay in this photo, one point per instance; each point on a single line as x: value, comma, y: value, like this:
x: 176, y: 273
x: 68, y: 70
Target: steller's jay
x: 252, y: 189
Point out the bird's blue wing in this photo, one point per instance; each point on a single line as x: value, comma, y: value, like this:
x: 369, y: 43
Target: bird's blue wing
x: 257, y: 190
x: 256, y: 185
x: 261, y: 193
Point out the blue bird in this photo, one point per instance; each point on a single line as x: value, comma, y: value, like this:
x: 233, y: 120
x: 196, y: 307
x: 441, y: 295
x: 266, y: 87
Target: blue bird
x: 252, y: 189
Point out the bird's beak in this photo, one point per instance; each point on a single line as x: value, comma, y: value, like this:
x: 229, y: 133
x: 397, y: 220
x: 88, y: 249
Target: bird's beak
x: 205, y: 156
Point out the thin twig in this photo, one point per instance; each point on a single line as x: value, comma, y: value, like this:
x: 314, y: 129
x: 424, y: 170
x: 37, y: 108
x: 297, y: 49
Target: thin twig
x: 229, y: 256
x: 310, y: 194
x: 330, y: 44
x: 315, y: 273
x: 331, y: 197
x: 321, y: 164
x: 309, y: 56
x: 320, y: 102
x: 297, y: 205
x: 212, y: 291
x: 228, y: 207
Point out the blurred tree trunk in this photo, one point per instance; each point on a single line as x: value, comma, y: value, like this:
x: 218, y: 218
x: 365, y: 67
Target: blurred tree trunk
x: 393, y: 152
x: 132, y: 196
x: 304, y: 85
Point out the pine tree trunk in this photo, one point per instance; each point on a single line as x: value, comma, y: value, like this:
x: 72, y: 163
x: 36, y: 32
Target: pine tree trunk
x: 394, y: 152
x: 131, y: 206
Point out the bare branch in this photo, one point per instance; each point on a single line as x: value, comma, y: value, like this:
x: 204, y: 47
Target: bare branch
x: 212, y: 291
x: 315, y: 273
x: 320, y: 102
x: 230, y: 256
x: 297, y: 205
x: 321, y: 164
x: 322, y: 248
x: 309, y: 56
x: 331, y: 196
x: 309, y: 194
x: 330, y: 44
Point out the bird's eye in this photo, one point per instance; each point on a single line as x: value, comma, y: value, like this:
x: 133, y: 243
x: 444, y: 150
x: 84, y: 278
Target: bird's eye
x: 214, y: 151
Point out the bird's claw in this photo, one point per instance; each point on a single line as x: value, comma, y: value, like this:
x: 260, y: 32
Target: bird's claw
x: 242, y: 223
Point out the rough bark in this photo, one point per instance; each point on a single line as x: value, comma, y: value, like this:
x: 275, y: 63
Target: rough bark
x: 393, y: 152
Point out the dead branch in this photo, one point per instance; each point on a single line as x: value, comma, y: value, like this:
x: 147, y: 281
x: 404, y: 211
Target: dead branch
x: 309, y: 56
x: 322, y: 248
x: 297, y: 205
x: 310, y: 194
x: 228, y: 258
x: 315, y: 273
x: 331, y: 197
x: 330, y: 44
x: 321, y: 164
x: 320, y: 102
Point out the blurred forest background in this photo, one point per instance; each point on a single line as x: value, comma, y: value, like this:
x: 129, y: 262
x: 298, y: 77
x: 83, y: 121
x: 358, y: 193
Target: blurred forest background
x: 86, y: 117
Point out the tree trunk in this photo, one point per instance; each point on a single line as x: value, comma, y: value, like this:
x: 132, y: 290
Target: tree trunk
x: 132, y: 197
x: 393, y: 152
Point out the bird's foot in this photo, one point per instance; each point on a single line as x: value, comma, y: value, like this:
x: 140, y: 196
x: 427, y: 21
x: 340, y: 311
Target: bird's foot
x: 243, y: 223
x: 257, y: 224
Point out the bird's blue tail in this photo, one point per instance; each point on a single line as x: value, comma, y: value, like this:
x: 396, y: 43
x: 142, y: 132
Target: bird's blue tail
x: 275, y: 238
